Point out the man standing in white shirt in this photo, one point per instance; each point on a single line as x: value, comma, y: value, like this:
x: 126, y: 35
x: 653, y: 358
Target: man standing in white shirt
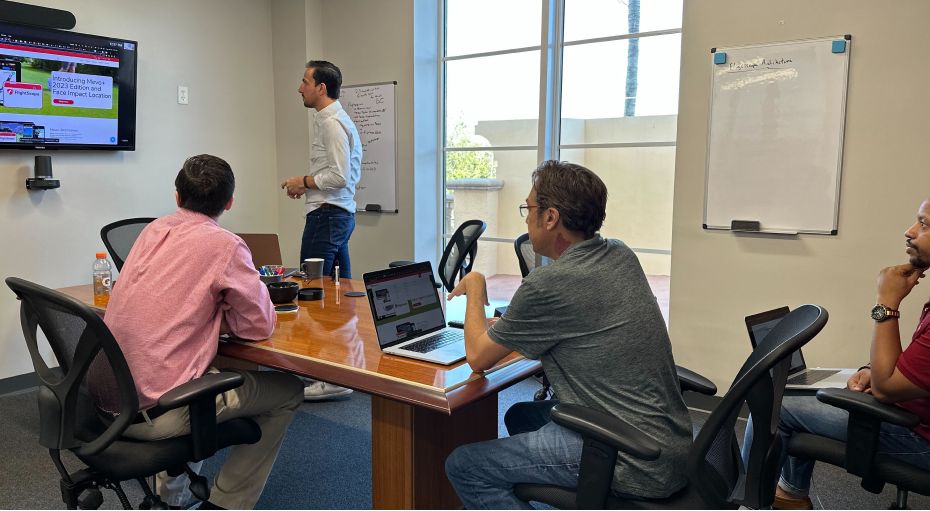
x: 329, y: 186
x: 335, y: 168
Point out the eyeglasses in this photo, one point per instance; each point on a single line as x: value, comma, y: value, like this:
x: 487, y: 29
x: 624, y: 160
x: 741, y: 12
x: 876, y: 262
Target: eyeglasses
x: 524, y: 208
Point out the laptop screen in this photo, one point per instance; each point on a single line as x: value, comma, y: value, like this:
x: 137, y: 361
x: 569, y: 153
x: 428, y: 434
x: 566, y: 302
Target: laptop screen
x: 404, y: 303
x: 759, y: 325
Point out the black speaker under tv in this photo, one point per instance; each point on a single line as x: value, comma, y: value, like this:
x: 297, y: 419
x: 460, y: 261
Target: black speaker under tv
x: 66, y: 90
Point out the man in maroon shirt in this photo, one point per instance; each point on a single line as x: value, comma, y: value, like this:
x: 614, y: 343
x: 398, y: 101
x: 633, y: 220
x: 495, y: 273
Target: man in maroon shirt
x: 894, y: 376
x: 186, y: 280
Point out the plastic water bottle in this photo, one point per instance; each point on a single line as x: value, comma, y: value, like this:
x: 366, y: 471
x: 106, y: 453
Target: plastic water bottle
x: 103, y: 276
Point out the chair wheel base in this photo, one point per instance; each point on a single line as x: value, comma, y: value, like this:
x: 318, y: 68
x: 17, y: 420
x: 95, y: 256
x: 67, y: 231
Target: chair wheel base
x: 92, y: 499
x: 153, y: 502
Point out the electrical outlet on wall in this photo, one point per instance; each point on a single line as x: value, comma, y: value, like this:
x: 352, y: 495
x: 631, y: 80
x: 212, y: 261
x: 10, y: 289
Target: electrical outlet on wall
x: 182, y: 95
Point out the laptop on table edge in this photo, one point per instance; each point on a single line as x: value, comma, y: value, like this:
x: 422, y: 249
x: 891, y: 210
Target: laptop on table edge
x: 799, y: 376
x: 409, y: 317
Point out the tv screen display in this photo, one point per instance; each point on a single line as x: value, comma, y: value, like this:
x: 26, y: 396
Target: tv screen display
x: 65, y: 90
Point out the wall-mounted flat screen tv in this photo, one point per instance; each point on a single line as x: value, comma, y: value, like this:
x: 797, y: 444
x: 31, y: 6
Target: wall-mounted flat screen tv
x: 65, y: 90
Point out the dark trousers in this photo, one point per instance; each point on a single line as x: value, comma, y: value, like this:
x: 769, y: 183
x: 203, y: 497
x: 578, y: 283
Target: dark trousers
x: 326, y: 235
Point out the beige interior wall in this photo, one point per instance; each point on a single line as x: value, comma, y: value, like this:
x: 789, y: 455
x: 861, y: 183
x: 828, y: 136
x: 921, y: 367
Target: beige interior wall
x: 220, y: 49
x: 373, y: 42
x: 720, y: 277
x: 370, y: 42
x: 296, y: 33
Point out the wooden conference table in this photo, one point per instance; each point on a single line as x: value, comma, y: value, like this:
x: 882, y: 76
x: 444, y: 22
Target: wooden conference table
x: 419, y: 411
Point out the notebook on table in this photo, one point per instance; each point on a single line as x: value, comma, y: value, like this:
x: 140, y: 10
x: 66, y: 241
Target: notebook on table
x: 409, y: 317
x: 800, y: 377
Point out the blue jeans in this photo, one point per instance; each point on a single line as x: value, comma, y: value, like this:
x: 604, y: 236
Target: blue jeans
x: 484, y: 473
x: 326, y: 235
x: 805, y: 414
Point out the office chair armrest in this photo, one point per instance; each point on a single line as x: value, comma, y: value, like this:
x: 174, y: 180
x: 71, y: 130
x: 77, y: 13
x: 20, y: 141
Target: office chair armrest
x: 866, y: 415
x: 606, y: 429
x: 691, y: 381
x: 861, y: 403
x: 207, y: 386
x: 199, y: 396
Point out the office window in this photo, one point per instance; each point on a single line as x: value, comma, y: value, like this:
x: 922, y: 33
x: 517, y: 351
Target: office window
x: 594, y: 82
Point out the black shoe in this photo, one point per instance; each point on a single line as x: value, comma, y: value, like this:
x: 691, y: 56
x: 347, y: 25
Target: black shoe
x: 209, y: 505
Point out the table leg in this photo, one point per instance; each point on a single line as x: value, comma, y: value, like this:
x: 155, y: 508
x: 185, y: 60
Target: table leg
x: 409, y: 449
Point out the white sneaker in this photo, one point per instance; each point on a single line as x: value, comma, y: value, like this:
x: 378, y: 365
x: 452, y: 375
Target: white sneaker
x: 320, y: 391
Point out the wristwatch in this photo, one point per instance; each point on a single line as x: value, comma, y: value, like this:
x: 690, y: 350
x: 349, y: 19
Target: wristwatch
x: 881, y: 312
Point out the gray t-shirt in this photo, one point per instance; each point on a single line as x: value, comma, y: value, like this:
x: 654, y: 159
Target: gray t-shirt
x: 592, y: 320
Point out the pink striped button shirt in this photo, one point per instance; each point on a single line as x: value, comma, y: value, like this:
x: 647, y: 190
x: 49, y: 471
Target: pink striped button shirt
x: 184, y: 275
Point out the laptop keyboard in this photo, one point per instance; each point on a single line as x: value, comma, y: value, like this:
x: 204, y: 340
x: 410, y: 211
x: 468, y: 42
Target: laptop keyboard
x: 435, y: 342
x: 810, y: 377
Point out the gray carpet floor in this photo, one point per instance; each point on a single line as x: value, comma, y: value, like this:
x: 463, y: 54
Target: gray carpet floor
x: 325, y: 462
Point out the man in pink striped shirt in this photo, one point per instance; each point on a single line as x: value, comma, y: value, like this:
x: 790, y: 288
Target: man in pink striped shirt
x: 185, y: 281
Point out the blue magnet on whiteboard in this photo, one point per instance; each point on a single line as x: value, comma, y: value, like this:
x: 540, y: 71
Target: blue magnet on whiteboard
x: 720, y: 58
x: 839, y: 46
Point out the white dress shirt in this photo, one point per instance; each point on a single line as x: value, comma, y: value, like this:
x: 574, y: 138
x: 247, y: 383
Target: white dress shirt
x: 335, y: 159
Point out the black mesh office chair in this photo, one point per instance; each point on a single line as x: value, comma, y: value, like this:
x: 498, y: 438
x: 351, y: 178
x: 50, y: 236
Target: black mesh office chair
x: 120, y: 236
x: 858, y: 454
x: 717, y: 477
x: 526, y: 256
x: 85, y: 350
x: 458, y: 258
x: 528, y: 260
x: 690, y: 381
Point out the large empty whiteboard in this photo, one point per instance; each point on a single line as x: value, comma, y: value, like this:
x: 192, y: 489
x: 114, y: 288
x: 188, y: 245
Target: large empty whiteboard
x: 371, y: 107
x: 775, y: 137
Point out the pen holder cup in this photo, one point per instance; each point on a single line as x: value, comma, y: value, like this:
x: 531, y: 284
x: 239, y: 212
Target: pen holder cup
x: 268, y: 279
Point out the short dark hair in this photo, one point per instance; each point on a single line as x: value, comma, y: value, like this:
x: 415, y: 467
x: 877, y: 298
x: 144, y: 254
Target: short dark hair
x: 327, y: 73
x: 577, y: 193
x: 205, y: 184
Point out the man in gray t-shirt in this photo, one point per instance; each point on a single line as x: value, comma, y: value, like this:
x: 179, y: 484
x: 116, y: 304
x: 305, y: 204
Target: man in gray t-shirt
x: 592, y: 320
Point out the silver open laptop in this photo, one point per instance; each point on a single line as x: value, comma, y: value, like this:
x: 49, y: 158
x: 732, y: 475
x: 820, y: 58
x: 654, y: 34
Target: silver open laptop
x: 409, y: 317
x: 799, y: 376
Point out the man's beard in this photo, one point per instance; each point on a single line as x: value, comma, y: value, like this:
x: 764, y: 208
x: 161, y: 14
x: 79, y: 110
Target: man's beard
x: 918, y: 262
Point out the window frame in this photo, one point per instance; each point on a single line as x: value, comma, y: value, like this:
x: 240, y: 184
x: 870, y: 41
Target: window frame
x: 551, y: 49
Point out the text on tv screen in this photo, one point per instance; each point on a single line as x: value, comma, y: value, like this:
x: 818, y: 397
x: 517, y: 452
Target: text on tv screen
x: 66, y: 90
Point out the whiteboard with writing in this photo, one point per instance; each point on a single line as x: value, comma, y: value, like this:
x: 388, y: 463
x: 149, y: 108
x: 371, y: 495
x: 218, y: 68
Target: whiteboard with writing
x: 775, y: 135
x: 371, y: 108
